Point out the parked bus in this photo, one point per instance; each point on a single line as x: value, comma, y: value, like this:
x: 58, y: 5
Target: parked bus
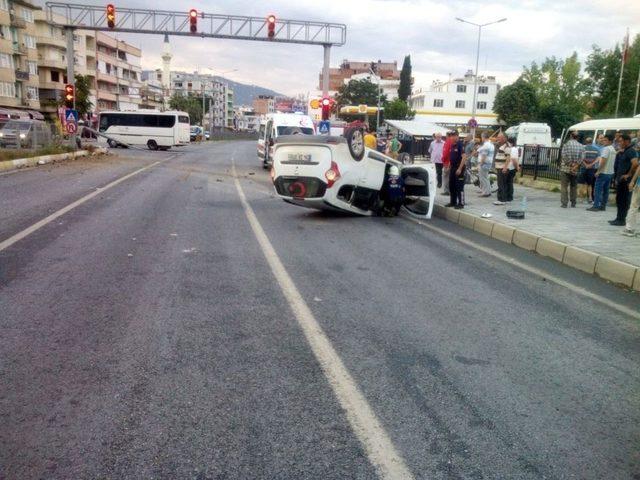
x: 157, y: 130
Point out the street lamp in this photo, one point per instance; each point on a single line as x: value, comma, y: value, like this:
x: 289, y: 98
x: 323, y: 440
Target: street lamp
x: 475, y: 82
x: 379, y: 95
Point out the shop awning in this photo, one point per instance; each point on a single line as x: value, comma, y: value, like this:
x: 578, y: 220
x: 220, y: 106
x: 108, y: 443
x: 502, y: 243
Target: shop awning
x: 417, y: 127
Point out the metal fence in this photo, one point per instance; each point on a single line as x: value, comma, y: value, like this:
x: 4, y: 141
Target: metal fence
x: 541, y: 162
x: 231, y: 135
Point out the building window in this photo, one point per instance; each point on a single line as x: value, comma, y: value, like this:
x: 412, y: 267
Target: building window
x: 32, y: 67
x: 30, y: 41
x: 482, y: 105
x: 459, y: 103
x: 483, y: 89
x: 461, y: 88
x: 7, y: 89
x: 55, y: 76
x: 27, y: 15
x: 6, y: 60
x: 438, y: 102
x: 4, y: 5
x: 32, y: 93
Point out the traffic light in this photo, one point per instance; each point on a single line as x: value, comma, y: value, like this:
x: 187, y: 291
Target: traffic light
x: 193, y: 20
x: 271, y: 26
x: 111, y: 16
x: 326, y: 108
x: 69, y: 95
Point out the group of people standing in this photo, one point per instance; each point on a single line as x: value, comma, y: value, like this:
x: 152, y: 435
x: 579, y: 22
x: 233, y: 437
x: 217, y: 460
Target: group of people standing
x: 610, y: 159
x: 387, y: 144
x: 454, y: 157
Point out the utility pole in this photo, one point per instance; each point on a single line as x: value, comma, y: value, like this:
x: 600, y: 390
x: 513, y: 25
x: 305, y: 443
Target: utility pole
x: 325, y: 69
x: 475, y: 81
x: 71, y: 78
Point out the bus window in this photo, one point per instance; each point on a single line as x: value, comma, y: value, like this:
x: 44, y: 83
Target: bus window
x: 166, y: 121
x: 183, y: 119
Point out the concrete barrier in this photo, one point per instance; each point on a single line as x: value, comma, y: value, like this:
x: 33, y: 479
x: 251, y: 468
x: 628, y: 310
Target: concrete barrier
x: 525, y: 240
x: 580, y: 259
x: 46, y: 159
x: 550, y: 248
x: 617, y: 272
x: 502, y: 232
x: 466, y: 220
x: 484, y: 226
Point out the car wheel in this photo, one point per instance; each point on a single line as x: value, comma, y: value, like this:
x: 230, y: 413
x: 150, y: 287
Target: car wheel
x: 405, y: 159
x: 355, y: 141
x: 152, y: 144
x: 112, y: 143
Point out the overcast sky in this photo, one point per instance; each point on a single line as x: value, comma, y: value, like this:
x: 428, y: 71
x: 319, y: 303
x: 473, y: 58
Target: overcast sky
x: 390, y: 29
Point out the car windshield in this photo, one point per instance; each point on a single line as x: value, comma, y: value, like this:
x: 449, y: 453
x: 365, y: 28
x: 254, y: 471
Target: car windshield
x: 295, y: 130
x: 22, y: 126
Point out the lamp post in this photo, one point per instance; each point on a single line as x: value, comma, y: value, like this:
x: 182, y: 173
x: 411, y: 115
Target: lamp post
x: 379, y: 95
x: 475, y: 82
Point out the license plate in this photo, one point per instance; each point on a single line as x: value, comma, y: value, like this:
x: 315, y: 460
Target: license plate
x: 299, y: 158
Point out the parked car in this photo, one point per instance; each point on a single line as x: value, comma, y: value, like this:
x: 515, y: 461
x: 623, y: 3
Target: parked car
x: 25, y: 134
x: 338, y: 173
x: 195, y: 132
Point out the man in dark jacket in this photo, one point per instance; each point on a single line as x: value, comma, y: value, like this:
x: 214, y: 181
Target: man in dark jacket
x: 624, y: 168
x: 456, y: 172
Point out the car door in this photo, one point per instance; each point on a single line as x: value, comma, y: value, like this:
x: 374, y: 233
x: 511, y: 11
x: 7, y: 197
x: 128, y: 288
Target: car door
x: 420, y: 189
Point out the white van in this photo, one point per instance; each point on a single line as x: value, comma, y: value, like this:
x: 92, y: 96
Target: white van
x: 531, y: 134
x: 593, y: 128
x: 277, y: 124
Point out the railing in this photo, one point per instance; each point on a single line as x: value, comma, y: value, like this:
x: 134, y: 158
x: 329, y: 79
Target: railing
x: 17, y: 22
x: 541, y: 162
x: 22, y: 75
x: 19, y: 49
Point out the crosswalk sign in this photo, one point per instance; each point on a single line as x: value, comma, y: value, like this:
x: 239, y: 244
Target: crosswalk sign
x: 70, y: 116
x: 324, y: 127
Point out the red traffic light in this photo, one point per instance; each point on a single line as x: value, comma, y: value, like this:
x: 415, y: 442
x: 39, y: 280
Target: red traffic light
x: 69, y: 94
x: 326, y: 108
x: 271, y: 26
x: 326, y: 102
x: 193, y: 20
x: 111, y: 16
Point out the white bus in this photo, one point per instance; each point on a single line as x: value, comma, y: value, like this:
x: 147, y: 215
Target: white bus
x: 157, y: 130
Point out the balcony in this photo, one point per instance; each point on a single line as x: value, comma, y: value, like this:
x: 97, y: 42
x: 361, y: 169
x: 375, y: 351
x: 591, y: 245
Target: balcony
x: 59, y: 42
x: 17, y: 22
x: 19, y: 49
x: 52, y: 63
x: 105, y: 77
x: 21, y: 75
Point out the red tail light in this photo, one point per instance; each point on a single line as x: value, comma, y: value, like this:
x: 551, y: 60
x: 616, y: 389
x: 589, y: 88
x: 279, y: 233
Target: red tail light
x: 332, y: 175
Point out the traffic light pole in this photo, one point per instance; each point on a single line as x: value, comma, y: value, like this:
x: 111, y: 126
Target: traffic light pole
x: 71, y: 78
x: 325, y: 70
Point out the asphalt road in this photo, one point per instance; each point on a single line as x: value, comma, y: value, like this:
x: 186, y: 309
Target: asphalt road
x: 144, y: 335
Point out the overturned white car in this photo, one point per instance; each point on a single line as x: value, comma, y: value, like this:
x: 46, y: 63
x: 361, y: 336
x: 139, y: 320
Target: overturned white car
x: 337, y: 173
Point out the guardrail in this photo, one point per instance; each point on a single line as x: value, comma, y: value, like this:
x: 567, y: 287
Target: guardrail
x: 540, y: 162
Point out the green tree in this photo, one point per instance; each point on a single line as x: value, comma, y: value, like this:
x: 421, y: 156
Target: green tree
x: 404, y: 90
x: 603, y: 68
x: 398, y: 110
x: 359, y: 92
x: 82, y: 92
x: 516, y: 103
x: 188, y: 103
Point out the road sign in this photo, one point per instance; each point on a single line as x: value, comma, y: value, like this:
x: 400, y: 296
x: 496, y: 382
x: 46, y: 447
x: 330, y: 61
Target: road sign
x: 473, y: 123
x: 70, y: 116
x: 71, y: 127
x: 324, y: 127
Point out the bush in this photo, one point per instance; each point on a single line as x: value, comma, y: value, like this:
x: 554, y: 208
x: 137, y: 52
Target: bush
x: 51, y: 150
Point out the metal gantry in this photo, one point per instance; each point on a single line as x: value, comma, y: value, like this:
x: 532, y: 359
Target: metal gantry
x: 235, y: 27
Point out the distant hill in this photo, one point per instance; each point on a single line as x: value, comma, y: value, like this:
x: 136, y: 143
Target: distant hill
x: 243, y: 94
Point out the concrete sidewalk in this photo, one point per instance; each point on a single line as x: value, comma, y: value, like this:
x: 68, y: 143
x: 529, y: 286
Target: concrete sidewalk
x: 573, y: 236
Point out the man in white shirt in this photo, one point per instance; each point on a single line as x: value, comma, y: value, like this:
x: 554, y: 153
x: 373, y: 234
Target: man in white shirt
x: 604, y: 174
x: 485, y: 161
x: 435, y: 153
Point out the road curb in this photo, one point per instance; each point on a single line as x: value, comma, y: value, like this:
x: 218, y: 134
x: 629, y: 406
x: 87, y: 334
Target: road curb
x: 17, y: 163
x: 604, y: 267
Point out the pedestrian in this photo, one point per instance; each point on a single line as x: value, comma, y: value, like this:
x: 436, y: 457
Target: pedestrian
x: 502, y: 163
x: 382, y: 144
x: 446, y: 163
x: 589, y: 167
x: 632, y: 216
x: 624, y: 169
x: 572, y: 156
x: 512, y: 167
x: 370, y: 139
x: 394, y: 146
x: 468, y: 148
x: 485, y: 161
x: 435, y: 153
x: 604, y: 174
x: 456, y: 172
x: 393, y: 192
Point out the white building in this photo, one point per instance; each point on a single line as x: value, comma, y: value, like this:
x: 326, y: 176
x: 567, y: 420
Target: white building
x: 450, y: 103
x: 246, y: 118
x: 218, y: 95
x: 389, y: 86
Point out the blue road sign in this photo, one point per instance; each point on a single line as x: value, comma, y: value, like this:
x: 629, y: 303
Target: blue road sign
x: 71, y: 116
x: 324, y: 127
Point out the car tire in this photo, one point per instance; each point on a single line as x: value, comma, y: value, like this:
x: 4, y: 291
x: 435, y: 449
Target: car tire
x: 405, y: 159
x: 152, y: 144
x: 355, y: 141
x: 112, y: 143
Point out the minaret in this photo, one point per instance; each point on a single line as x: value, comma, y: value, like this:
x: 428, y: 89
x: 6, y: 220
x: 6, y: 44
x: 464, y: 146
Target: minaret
x: 166, y: 70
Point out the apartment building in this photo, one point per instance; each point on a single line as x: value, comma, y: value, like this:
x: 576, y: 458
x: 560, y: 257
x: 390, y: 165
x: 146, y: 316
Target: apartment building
x: 450, y: 102
x: 18, y: 59
x: 152, y: 91
x: 218, y: 96
x: 118, y: 74
x: 349, y: 68
x: 229, y: 114
x: 264, y: 104
x: 52, y: 60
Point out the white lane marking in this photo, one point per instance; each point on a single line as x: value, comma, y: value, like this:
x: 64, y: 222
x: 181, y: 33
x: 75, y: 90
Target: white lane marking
x: 28, y: 231
x: 535, y: 271
x: 377, y: 444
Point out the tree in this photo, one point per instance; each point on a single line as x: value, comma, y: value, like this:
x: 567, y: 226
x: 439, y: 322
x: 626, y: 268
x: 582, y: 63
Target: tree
x: 188, y: 103
x: 516, y: 103
x: 82, y: 93
x: 359, y: 92
x: 404, y: 90
x: 398, y: 110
